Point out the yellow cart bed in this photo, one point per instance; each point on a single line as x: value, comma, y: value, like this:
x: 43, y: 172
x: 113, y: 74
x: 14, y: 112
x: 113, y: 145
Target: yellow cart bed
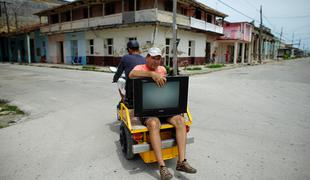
x: 134, y: 136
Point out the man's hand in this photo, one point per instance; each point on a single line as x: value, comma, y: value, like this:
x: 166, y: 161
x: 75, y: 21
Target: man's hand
x: 159, y: 79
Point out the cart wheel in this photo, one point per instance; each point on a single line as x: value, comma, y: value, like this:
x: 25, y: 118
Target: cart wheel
x: 126, y: 142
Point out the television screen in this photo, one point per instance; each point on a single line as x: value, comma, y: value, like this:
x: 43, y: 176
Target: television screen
x: 152, y: 100
x: 155, y: 97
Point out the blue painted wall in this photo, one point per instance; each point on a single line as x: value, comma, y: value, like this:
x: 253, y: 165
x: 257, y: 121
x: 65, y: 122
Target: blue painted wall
x: 4, y: 49
x: 17, y: 49
x: 80, y: 37
x: 68, y: 56
x: 37, y: 46
x: 44, y: 41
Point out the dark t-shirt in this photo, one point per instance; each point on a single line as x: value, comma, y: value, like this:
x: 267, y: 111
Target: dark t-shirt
x: 128, y: 62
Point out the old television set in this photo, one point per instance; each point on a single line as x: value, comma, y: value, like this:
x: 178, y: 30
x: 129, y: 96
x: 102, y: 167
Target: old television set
x: 151, y: 100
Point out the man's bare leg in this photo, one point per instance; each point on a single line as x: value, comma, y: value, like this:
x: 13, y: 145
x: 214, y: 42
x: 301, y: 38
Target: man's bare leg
x: 182, y: 164
x: 180, y: 130
x: 153, y: 125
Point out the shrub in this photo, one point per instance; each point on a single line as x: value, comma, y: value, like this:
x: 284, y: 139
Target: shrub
x: 88, y: 68
x: 193, y: 68
x: 4, y: 106
x: 286, y: 57
x: 168, y: 69
x: 215, y: 65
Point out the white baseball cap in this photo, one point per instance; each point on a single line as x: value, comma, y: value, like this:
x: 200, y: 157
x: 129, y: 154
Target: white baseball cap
x: 154, y: 51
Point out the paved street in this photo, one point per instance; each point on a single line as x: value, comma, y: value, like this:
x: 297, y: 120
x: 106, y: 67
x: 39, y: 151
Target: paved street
x: 249, y: 123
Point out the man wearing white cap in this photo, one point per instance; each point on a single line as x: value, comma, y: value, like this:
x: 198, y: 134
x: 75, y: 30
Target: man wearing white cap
x: 158, y: 73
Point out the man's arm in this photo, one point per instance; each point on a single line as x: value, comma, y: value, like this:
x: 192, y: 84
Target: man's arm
x: 159, y: 79
x: 119, y: 71
x: 138, y: 73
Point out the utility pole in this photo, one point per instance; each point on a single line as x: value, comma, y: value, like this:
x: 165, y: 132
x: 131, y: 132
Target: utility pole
x: 6, y: 14
x: 174, y: 39
x: 280, y: 41
x: 299, y: 43
x: 260, y: 35
x: 293, y: 40
x: 281, y: 36
x: 16, y: 25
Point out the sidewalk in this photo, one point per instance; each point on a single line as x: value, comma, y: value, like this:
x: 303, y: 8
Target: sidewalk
x: 204, y: 69
x: 73, y: 67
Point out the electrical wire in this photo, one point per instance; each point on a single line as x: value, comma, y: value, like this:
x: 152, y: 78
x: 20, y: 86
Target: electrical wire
x: 289, y: 17
x: 264, y: 17
x: 237, y: 10
x: 247, y: 15
x: 267, y: 20
x: 251, y: 5
x: 301, y: 27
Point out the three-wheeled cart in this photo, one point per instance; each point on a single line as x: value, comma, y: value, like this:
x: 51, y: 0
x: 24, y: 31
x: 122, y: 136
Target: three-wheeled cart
x: 134, y: 137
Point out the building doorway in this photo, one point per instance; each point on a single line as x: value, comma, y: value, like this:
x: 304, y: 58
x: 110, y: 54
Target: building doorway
x: 60, y: 52
x: 32, y: 58
x: 229, y: 54
x: 208, y: 53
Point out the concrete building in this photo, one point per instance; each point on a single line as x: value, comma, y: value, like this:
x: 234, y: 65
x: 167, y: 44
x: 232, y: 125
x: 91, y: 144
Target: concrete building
x: 268, y: 45
x: 20, y: 36
x: 24, y: 46
x: 288, y: 51
x: 20, y: 12
x: 96, y: 31
x: 235, y: 45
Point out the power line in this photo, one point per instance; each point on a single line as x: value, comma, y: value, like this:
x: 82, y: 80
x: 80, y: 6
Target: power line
x: 299, y: 33
x: 284, y: 37
x: 265, y: 18
x: 249, y: 16
x: 289, y: 17
x: 274, y: 27
x: 237, y: 10
x: 301, y: 27
x: 305, y: 38
x: 269, y: 22
x: 251, y: 5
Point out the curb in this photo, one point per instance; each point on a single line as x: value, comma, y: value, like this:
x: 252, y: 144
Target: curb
x: 210, y: 70
x: 182, y: 72
x: 71, y: 67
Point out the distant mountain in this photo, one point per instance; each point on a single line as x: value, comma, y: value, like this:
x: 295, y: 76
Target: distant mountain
x: 24, y: 10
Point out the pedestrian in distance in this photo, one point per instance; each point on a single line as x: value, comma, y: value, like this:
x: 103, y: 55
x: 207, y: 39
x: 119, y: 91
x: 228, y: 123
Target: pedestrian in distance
x: 213, y: 57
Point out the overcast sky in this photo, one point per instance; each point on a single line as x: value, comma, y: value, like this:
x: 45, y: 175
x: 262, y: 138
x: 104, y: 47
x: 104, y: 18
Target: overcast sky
x: 292, y: 15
